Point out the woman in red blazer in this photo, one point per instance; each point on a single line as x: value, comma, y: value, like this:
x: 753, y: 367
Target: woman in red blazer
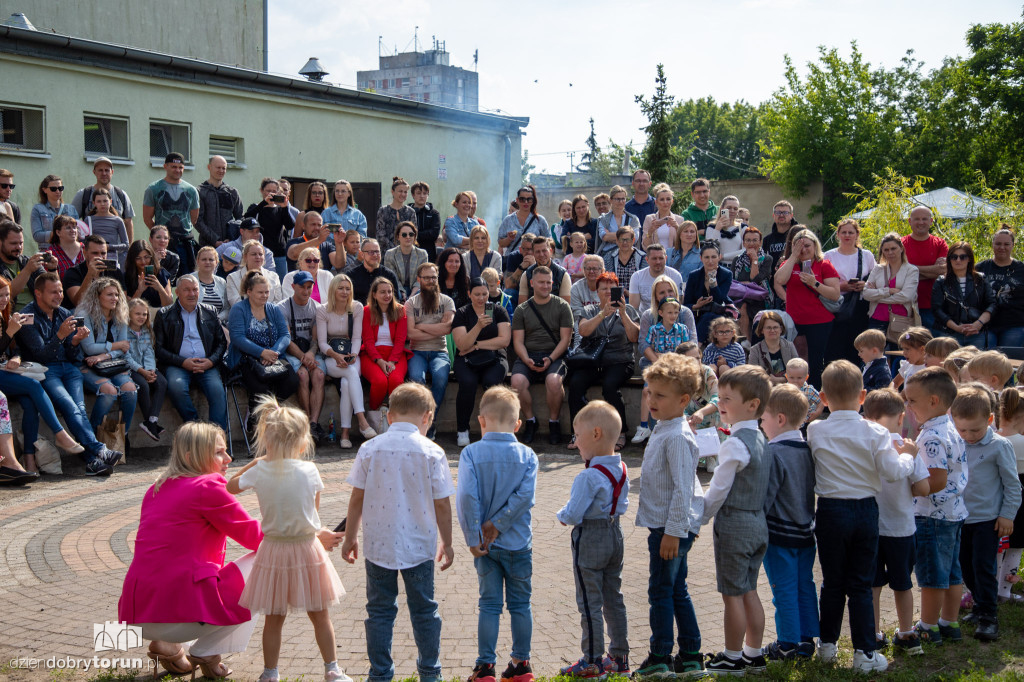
x: 178, y: 587
x: 383, y: 359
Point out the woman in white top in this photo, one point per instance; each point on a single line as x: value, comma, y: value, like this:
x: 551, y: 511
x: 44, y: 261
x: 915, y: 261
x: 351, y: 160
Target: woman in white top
x: 212, y: 288
x: 610, y: 222
x: 252, y: 259
x: 852, y: 279
x: 663, y: 225
x: 480, y: 255
x: 309, y: 261
x: 727, y: 230
x: 332, y: 323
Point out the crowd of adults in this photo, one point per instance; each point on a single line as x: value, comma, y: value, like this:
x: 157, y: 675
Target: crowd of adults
x: 286, y: 299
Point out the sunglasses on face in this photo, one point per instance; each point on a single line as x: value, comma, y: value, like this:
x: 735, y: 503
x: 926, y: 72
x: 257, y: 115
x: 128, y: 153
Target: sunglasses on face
x: 528, y: 200
x: 7, y: 185
x: 53, y: 189
x: 310, y: 261
x: 959, y: 256
x: 407, y: 234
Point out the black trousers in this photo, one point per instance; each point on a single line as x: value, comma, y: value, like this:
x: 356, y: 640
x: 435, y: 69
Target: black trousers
x: 612, y: 378
x: 469, y: 381
x: 978, y: 545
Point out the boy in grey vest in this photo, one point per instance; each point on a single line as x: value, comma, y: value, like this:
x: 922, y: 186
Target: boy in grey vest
x: 736, y: 498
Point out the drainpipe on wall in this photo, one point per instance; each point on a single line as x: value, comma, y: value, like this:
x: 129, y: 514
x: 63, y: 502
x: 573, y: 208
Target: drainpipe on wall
x: 266, y: 35
x: 508, y: 171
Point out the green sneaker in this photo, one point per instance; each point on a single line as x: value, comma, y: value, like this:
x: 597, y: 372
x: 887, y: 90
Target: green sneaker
x: 951, y: 632
x: 931, y: 635
x: 654, y: 665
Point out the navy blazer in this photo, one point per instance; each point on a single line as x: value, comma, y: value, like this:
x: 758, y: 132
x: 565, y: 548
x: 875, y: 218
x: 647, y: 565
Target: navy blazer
x: 695, y: 288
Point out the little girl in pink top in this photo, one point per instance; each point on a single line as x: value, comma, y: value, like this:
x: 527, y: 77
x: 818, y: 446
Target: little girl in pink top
x: 291, y: 571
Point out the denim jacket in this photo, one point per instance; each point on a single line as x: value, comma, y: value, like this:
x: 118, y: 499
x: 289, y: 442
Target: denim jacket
x: 141, y: 354
x: 96, y: 343
x: 238, y: 324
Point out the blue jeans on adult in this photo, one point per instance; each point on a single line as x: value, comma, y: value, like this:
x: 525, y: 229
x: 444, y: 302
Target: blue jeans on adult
x: 105, y: 401
x: 381, y: 609
x: 281, y: 265
x: 669, y: 599
x: 504, y: 576
x: 790, y: 572
x: 63, y: 383
x: 847, y: 534
x: 180, y: 380
x: 34, y: 404
x: 437, y: 364
x: 927, y: 318
x: 1009, y: 336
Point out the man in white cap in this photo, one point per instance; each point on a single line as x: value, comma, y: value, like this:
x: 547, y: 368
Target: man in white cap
x: 103, y: 169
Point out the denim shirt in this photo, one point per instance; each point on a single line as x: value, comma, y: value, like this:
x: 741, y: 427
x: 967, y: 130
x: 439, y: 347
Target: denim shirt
x: 42, y: 219
x: 238, y: 323
x: 684, y: 263
x: 38, y: 342
x: 349, y: 219
x: 497, y: 480
x: 96, y: 343
x: 591, y: 494
x: 141, y: 354
x: 455, y: 231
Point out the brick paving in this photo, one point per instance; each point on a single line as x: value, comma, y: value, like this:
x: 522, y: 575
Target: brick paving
x: 66, y: 543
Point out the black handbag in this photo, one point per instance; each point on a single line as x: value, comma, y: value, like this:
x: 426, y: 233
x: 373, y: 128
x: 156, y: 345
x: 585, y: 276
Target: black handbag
x: 481, y: 358
x: 851, y: 299
x: 266, y: 373
x: 111, y: 368
x: 587, y: 353
x: 342, y: 345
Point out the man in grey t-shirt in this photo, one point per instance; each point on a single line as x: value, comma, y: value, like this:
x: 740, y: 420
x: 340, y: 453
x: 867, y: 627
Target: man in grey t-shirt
x: 299, y: 312
x: 429, y: 315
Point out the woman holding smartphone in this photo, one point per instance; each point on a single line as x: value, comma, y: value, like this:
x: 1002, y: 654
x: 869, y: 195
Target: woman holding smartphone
x: 144, y: 279
x: 64, y: 244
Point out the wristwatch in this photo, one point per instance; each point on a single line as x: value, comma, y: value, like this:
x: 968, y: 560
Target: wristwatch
x: 817, y: 284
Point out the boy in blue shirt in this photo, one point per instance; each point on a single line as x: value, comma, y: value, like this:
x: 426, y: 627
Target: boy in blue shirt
x: 497, y: 480
x: 597, y: 499
x: 870, y: 347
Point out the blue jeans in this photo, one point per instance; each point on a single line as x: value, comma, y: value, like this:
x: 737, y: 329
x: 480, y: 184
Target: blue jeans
x: 790, y: 572
x: 979, y: 341
x: 105, y: 402
x: 498, y: 569
x: 34, y: 404
x: 1011, y: 336
x: 669, y: 599
x: 179, y: 381
x: 436, y: 362
x: 381, y: 609
x: 63, y: 383
x: 927, y: 318
x: 281, y: 265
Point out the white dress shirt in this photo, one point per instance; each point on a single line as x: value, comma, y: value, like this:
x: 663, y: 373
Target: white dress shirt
x: 852, y: 455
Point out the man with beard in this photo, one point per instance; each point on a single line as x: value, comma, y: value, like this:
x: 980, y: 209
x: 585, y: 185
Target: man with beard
x: 774, y: 244
x: 172, y: 202
x: 16, y: 268
x: 430, y: 314
x: 363, y: 273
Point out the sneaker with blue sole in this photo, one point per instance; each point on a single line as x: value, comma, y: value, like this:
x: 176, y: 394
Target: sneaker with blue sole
x: 584, y: 670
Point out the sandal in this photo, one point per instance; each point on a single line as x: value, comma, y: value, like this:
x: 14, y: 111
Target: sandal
x: 175, y: 664
x: 620, y: 443
x: 210, y: 665
x: 572, y: 443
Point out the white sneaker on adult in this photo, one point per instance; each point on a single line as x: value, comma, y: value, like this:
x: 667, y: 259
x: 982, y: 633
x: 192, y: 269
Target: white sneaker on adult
x: 463, y: 439
x: 827, y: 652
x: 642, y: 434
x: 875, y: 664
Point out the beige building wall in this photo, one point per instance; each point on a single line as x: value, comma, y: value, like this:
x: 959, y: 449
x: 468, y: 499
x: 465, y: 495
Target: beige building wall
x: 221, y: 31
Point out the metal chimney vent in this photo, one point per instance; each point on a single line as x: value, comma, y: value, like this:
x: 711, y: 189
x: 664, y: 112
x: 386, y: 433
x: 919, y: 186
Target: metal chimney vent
x: 19, y: 20
x: 313, y: 70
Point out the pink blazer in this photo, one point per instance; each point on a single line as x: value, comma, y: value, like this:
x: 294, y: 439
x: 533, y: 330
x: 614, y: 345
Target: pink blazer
x: 178, y: 573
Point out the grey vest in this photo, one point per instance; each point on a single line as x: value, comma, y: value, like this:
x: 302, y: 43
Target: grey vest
x: 750, y: 486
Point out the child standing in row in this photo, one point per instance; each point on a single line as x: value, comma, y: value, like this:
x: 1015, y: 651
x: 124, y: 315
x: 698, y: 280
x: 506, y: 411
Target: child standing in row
x: 141, y: 359
x: 912, y: 343
x: 992, y: 498
x: 991, y: 368
x: 796, y: 375
x: 851, y: 456
x: 597, y: 500
x: 894, y: 563
x: 401, y: 485
x: 291, y: 570
x: 940, y: 515
x: 1011, y: 426
x: 789, y: 513
x: 736, y: 497
x: 670, y: 506
x: 870, y: 345
x: 497, y: 480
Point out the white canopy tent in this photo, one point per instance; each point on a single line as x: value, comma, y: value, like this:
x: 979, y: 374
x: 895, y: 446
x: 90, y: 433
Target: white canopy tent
x: 950, y: 203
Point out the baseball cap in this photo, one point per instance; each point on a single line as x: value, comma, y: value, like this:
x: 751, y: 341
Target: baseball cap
x: 100, y: 160
x: 302, y: 277
x: 232, y: 254
x: 249, y: 224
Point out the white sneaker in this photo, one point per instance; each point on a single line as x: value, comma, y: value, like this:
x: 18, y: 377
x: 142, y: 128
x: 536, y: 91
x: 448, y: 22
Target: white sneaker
x: 642, y: 434
x: 463, y: 439
x: 861, y: 662
x: 383, y: 420
x: 827, y: 652
x: 373, y: 417
x: 711, y: 463
x: 336, y: 676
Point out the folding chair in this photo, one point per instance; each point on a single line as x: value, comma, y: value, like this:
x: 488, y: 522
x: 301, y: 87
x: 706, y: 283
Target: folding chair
x: 234, y: 380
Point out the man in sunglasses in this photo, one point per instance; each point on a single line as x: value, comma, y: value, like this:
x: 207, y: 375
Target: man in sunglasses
x: 928, y: 253
x: 8, y: 209
x: 315, y: 235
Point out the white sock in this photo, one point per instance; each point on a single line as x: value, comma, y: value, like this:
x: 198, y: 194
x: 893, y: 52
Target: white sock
x: 751, y: 652
x: 1008, y: 569
x: 153, y: 420
x: 927, y: 626
x: 733, y: 655
x: 328, y: 667
x: 946, y: 623
x: 270, y: 672
x: 905, y: 633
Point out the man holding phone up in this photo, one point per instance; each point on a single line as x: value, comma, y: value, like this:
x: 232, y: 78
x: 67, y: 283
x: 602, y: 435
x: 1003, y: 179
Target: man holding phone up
x: 541, y: 330
x: 96, y: 264
x: 15, y: 266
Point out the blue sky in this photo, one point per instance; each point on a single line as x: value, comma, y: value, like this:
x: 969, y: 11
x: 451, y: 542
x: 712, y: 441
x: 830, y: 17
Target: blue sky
x: 562, y: 62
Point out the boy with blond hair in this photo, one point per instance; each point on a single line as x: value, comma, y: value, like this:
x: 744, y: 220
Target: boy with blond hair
x: 870, y: 345
x: 894, y: 563
x: 597, y: 499
x: 497, y: 480
x: 400, y: 479
x: 671, y: 505
x: 991, y: 368
x: 789, y: 513
x: 797, y: 371
x: 735, y: 497
x: 851, y: 457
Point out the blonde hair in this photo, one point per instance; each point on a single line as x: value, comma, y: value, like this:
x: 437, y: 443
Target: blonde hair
x: 579, y: 235
x: 617, y: 189
x: 662, y: 187
x: 991, y: 363
x: 332, y: 291
x: 972, y: 401
x: 140, y: 303
x: 500, y: 404
x: 751, y: 382
x: 790, y: 402
x: 1011, y: 405
x: 883, y: 402
x: 941, y: 346
x: 841, y: 381
x: 722, y: 322
x: 282, y: 431
x: 207, y: 249
x: 806, y: 233
x: 490, y: 275
x: 935, y: 381
x: 654, y: 287
x: 480, y: 229
x: 411, y: 399
x: 798, y: 365
x: 680, y: 373
x: 598, y: 413
x: 92, y: 310
x: 870, y: 338
x: 956, y: 361
x: 915, y: 337
x: 308, y: 251
x: 192, y: 452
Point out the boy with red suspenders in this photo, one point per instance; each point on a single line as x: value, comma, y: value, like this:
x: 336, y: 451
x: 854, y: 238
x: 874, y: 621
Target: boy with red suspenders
x: 597, y: 499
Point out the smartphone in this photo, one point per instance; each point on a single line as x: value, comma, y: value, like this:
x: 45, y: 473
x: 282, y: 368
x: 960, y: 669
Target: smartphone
x: 537, y: 363
x: 616, y: 295
x: 279, y: 198
x: 80, y: 321
x: 49, y: 257
x: 489, y: 309
x: 110, y: 264
x: 150, y: 270
x: 340, y: 528
x: 805, y: 266
x: 28, y: 318
x: 333, y: 227
x: 853, y: 281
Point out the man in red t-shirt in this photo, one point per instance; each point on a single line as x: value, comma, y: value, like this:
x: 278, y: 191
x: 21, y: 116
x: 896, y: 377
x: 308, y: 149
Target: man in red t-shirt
x: 928, y: 253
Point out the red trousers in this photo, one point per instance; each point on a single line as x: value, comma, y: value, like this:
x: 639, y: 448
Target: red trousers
x: 382, y: 384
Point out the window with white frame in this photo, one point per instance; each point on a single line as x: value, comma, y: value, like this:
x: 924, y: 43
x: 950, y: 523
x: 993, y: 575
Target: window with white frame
x: 166, y: 137
x: 22, y: 128
x: 106, y: 136
x: 231, y: 148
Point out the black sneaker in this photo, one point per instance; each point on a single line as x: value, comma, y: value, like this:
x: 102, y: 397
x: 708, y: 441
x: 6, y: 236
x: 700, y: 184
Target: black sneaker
x: 720, y: 664
x: 316, y: 432
x: 554, y: 432
x: 98, y: 467
x: 655, y: 665
x: 951, y: 632
x: 910, y: 645
x: 432, y: 432
x: 152, y: 429
x: 110, y: 457
x: 529, y: 431
x: 520, y: 672
x: 757, y: 664
x: 781, y: 651
x: 987, y: 630
x: 483, y: 672
x: 688, y: 664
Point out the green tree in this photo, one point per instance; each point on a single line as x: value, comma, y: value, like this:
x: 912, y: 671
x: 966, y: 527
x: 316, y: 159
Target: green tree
x: 593, y: 151
x: 719, y: 140
x: 525, y: 168
x: 612, y: 161
x: 661, y: 156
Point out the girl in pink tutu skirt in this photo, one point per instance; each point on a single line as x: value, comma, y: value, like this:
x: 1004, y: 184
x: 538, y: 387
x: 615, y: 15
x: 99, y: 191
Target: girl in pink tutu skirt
x: 291, y: 571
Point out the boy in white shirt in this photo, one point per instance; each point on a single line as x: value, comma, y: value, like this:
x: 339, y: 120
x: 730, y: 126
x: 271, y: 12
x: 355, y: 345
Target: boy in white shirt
x: 401, y: 480
x: 851, y: 456
x: 896, y: 547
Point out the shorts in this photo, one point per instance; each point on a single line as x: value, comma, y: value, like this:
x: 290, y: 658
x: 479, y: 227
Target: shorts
x: 894, y: 562
x: 297, y: 364
x: 740, y: 540
x: 938, y: 553
x: 535, y: 377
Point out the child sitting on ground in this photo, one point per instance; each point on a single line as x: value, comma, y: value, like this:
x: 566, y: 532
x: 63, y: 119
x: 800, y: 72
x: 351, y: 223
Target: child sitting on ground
x: 722, y: 351
x: 497, y: 480
x: 851, y: 457
x: 894, y: 562
x: 992, y: 497
x: 597, y: 500
x: 400, y: 479
x: 789, y: 513
x: 991, y: 368
x: 870, y: 345
x: 796, y: 374
x: 736, y: 497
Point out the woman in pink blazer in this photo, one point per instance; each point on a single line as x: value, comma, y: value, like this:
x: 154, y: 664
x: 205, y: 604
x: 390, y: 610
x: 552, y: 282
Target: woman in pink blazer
x: 178, y: 587
x: 382, y: 356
